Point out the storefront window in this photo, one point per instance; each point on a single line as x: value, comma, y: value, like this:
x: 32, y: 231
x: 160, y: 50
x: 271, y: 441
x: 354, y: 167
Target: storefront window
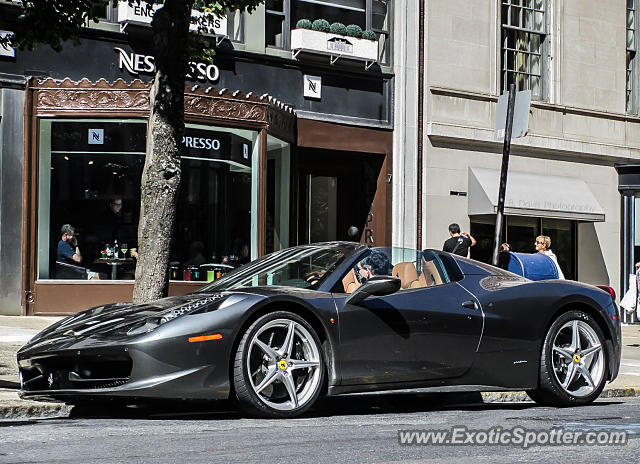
x: 89, y: 177
x: 520, y: 232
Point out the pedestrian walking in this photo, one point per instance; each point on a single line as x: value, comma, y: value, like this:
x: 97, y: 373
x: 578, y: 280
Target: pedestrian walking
x: 629, y: 301
x: 543, y: 245
x: 459, y: 242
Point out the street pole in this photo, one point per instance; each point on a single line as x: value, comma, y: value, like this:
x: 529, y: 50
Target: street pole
x: 506, y: 148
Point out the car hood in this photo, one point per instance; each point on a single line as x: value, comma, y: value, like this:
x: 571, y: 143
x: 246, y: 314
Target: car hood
x: 119, y: 318
x: 121, y: 321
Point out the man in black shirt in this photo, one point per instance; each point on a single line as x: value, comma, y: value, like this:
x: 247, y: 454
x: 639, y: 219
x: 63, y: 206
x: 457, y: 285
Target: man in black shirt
x: 460, y: 242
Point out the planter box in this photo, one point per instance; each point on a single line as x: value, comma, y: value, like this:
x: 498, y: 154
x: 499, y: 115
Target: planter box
x: 333, y: 44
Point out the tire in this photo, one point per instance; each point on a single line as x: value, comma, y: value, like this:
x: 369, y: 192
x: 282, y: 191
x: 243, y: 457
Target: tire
x: 573, y: 362
x: 279, y: 366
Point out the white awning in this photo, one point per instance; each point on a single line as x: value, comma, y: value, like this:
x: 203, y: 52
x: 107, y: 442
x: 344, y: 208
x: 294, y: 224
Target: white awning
x: 534, y: 195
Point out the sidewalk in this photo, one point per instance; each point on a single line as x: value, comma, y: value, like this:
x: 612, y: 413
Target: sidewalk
x: 15, y: 331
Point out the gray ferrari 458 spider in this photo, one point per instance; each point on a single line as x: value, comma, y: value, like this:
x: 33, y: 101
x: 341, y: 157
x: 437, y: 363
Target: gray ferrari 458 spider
x: 334, y: 318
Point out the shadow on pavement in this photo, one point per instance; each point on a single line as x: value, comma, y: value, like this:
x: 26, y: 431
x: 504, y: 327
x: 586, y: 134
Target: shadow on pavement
x: 360, y: 404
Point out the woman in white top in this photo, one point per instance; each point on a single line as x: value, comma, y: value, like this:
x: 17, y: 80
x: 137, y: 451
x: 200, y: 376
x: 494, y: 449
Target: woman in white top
x: 543, y: 245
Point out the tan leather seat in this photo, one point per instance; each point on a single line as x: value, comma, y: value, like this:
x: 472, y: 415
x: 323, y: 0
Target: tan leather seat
x: 349, y: 282
x: 407, y: 274
x: 430, y: 275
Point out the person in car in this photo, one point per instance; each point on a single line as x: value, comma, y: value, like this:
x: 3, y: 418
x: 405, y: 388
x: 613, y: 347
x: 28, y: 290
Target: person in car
x: 376, y: 264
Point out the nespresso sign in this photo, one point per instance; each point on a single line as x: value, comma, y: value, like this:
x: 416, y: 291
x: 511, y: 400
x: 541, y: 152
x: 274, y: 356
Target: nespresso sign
x: 135, y: 64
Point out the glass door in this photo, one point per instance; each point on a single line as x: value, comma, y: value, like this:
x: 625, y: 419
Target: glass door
x: 321, y: 208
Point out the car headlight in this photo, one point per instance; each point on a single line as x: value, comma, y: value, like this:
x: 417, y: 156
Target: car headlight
x: 174, y: 313
x: 188, y: 308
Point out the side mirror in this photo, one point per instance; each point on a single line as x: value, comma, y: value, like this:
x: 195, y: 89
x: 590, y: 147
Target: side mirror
x: 376, y: 286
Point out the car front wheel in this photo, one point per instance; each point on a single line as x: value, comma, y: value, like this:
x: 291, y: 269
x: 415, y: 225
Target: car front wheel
x: 573, y: 364
x: 279, y: 366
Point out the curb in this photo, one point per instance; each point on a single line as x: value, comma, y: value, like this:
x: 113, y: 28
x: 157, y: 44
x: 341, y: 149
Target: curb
x: 620, y: 392
x: 33, y: 410
x: 26, y: 409
x: 521, y: 396
x: 12, y: 407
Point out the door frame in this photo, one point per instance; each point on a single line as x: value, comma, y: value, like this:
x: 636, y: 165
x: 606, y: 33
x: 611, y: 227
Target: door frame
x: 342, y: 137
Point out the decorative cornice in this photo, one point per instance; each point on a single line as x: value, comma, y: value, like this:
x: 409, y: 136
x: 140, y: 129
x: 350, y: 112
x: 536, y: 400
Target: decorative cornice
x: 85, y: 83
x: 67, y: 96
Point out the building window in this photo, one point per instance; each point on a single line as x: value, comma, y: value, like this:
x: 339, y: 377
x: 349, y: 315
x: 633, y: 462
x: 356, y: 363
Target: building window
x: 277, y: 23
x: 282, y: 16
x: 631, y: 55
x: 520, y: 232
x: 89, y: 177
x: 378, y: 21
x: 107, y: 12
x: 524, y: 45
x: 235, y: 26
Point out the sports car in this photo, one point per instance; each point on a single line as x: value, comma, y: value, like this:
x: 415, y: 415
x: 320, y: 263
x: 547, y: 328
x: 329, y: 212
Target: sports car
x: 333, y: 318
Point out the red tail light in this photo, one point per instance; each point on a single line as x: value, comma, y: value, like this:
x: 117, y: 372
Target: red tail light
x: 609, y: 290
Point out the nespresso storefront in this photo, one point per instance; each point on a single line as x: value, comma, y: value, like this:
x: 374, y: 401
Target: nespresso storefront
x: 85, y: 165
x: 254, y: 180
x: 265, y: 166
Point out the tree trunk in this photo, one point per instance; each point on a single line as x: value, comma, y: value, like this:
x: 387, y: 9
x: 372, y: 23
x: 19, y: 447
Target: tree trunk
x: 161, y: 174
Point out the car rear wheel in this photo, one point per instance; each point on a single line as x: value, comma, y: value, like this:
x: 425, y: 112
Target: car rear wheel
x: 573, y: 363
x: 279, y: 366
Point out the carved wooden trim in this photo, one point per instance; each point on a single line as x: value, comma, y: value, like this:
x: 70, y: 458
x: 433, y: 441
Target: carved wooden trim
x: 222, y: 108
x: 119, y: 97
x: 281, y: 124
x: 84, y: 96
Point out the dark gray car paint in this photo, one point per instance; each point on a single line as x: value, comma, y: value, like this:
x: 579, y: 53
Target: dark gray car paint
x: 413, y: 338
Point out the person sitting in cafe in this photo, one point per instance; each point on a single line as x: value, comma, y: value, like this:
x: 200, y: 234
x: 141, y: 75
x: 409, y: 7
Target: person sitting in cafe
x: 68, y: 255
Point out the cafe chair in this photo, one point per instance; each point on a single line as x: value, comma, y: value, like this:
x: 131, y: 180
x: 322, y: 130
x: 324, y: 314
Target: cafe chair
x: 69, y: 271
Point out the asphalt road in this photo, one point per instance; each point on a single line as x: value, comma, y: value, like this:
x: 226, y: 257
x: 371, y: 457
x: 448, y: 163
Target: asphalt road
x: 355, y: 429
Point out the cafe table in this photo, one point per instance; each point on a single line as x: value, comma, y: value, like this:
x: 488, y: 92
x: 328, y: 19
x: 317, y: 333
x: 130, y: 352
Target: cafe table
x: 114, y: 263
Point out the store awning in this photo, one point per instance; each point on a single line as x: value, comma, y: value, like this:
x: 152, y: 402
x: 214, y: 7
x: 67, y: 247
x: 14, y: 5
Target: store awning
x: 534, y: 195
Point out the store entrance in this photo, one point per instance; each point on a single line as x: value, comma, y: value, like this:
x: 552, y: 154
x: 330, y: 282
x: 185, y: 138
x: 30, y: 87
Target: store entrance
x: 521, y: 231
x: 337, y: 190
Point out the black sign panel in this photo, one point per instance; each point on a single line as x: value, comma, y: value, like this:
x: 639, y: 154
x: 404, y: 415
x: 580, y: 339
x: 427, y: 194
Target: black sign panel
x: 202, y: 143
x: 347, y: 91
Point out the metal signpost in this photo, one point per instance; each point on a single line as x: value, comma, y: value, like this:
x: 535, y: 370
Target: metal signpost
x: 512, y: 120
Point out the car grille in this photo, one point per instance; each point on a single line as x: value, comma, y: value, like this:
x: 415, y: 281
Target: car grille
x: 63, y: 373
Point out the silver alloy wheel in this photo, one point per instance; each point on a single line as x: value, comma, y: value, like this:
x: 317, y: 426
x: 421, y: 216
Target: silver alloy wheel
x: 284, y: 364
x: 578, y: 358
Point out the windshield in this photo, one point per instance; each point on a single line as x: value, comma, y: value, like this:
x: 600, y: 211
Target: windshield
x: 300, y: 267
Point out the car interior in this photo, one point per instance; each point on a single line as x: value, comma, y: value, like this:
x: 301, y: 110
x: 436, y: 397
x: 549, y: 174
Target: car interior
x: 427, y: 270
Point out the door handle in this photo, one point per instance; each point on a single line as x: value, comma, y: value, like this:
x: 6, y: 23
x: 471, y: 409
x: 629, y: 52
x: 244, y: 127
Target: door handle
x: 470, y: 304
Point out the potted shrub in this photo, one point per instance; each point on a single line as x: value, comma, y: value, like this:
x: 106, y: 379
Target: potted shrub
x: 353, y: 30
x: 334, y: 39
x: 303, y: 24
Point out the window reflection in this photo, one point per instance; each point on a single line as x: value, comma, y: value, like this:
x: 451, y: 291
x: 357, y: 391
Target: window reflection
x: 90, y: 174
